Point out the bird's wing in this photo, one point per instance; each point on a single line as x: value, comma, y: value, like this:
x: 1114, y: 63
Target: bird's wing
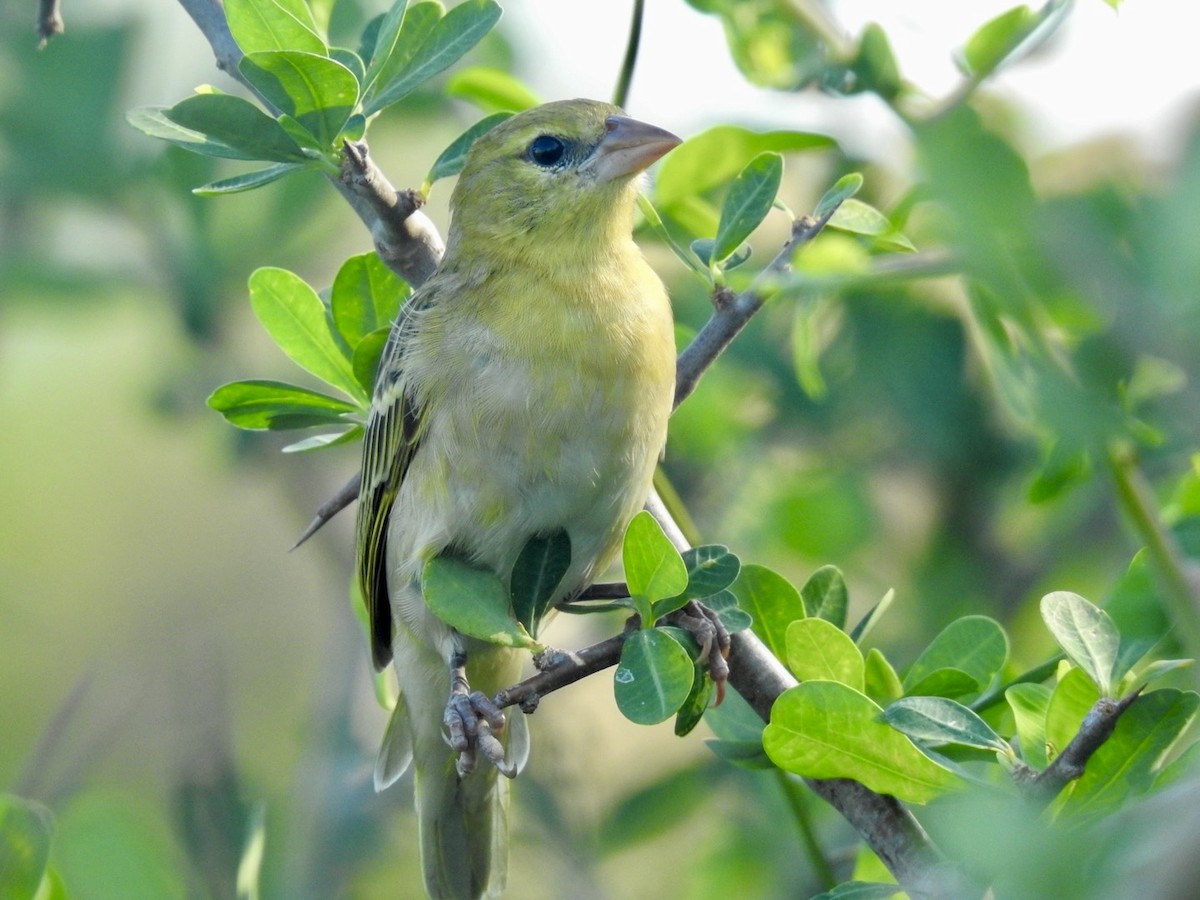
x: 392, y: 434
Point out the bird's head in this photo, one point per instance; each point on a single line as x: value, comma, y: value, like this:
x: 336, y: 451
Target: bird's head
x: 563, y: 171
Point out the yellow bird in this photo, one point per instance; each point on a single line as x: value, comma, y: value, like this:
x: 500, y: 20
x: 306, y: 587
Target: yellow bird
x: 525, y: 388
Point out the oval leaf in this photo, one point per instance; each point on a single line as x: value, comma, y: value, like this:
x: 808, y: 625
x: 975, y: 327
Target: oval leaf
x: 273, y: 25
x: 975, y: 645
x: 653, y: 567
x: 825, y: 595
x: 316, y: 91
x: 247, y: 182
x: 539, y: 568
x: 492, y: 90
x: 454, y: 157
x: 935, y: 720
x: 819, y: 650
x: 1086, y: 634
x: 366, y: 296
x: 653, y: 678
x: 276, y: 406
x: 749, y: 200
x: 296, y: 318
x: 473, y: 602
x: 772, y: 602
x: 238, y: 124
x: 1029, y: 704
x: 822, y: 729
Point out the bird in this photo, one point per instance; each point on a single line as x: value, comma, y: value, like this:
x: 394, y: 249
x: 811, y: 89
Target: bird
x: 524, y: 389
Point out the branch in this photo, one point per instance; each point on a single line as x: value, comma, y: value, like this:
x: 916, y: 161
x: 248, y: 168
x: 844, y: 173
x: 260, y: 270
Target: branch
x: 1098, y: 726
x: 49, y: 21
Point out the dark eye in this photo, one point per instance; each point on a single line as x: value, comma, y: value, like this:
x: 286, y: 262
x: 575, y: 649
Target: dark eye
x: 546, y: 150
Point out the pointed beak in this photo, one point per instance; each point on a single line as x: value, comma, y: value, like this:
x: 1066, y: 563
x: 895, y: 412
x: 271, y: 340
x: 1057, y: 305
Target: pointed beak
x: 629, y: 147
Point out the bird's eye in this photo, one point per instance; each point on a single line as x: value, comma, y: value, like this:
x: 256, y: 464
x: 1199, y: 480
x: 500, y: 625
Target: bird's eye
x: 546, y: 150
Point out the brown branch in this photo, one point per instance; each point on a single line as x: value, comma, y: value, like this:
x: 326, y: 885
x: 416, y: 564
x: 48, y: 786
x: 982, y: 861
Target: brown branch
x: 1098, y: 726
x: 49, y: 21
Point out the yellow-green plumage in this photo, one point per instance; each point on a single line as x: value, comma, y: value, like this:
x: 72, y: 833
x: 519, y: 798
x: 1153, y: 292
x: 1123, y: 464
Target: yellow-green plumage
x: 526, y: 388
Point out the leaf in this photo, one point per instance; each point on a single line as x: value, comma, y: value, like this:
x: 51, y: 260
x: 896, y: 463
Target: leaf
x: 273, y: 25
x: 474, y: 602
x: 945, y: 682
x: 317, y: 92
x: 744, y: 754
x: 25, y: 831
x: 1073, y: 697
x: 696, y: 704
x: 653, y: 567
x: 817, y: 649
x: 1086, y: 634
x: 863, y: 628
x: 988, y: 47
x: 825, y: 595
x: 1126, y: 764
x: 725, y: 605
x: 749, y: 200
x: 453, y: 35
x: 975, y: 645
x: 822, y: 729
x: 772, y: 602
x: 703, y: 248
x: 882, y: 684
x: 861, y: 890
x: 247, y: 182
x: 1136, y: 610
x: 653, y: 678
x: 492, y: 90
x: 390, y: 25
x: 712, y: 158
x: 366, y: 296
x: 539, y: 568
x: 419, y: 21
x: 935, y: 720
x: 365, y: 360
x: 296, y: 318
x: 1029, y: 704
x: 860, y: 218
x: 276, y: 406
x: 321, y: 441
x: 710, y: 569
x: 152, y: 120
x: 843, y: 189
x: 452, y: 159
x: 236, y: 123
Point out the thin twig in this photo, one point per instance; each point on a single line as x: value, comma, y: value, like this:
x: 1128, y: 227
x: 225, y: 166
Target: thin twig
x: 1098, y: 726
x: 49, y: 21
x: 629, y: 63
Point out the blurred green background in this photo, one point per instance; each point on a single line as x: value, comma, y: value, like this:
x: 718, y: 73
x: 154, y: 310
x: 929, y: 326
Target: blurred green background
x: 169, y: 669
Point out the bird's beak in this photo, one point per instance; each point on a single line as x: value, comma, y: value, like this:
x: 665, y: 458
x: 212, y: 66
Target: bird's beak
x: 628, y: 147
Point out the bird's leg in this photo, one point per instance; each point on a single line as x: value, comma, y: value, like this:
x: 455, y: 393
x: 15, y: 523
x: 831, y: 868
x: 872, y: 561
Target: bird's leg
x: 706, y: 627
x: 472, y: 721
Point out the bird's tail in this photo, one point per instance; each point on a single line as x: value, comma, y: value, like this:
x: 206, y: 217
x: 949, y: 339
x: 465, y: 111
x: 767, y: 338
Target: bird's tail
x: 464, y: 829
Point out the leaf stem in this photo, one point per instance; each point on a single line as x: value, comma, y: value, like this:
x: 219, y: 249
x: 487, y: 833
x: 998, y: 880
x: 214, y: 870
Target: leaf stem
x: 629, y: 63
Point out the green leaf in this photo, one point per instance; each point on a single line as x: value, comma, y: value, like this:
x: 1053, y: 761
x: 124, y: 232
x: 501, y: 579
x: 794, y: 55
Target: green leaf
x: 710, y: 569
x: 474, y: 602
x: 366, y: 296
x: 692, y: 711
x: 248, y: 181
x: 321, y: 441
x: 452, y: 159
x: 772, y: 602
x: 236, y: 123
x: 744, y: 754
x: 860, y: 218
x: 935, y: 720
x: 876, y: 65
x: 1029, y: 704
x: 703, y: 248
x: 653, y: 678
x: 822, y: 729
x: 988, y: 47
x: 653, y: 567
x: 152, y: 120
x: 843, y: 189
x: 712, y: 158
x: 750, y: 198
x: 725, y: 605
x: 975, y: 645
x: 1073, y: 697
x: 882, y: 684
x: 817, y: 649
x: 861, y: 890
x: 539, y: 568
x: 1086, y: 634
x: 1136, y: 610
x: 945, y: 682
x: 276, y: 406
x: 1127, y: 763
x: 390, y: 25
x: 492, y: 90
x: 868, y: 622
x: 367, y: 352
x: 317, y: 92
x: 451, y: 37
x: 419, y: 21
x: 296, y: 318
x: 273, y: 25
x: 825, y: 595
x: 25, y: 831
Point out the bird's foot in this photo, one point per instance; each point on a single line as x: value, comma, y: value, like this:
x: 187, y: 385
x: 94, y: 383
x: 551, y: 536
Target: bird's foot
x: 711, y: 634
x: 472, y: 722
